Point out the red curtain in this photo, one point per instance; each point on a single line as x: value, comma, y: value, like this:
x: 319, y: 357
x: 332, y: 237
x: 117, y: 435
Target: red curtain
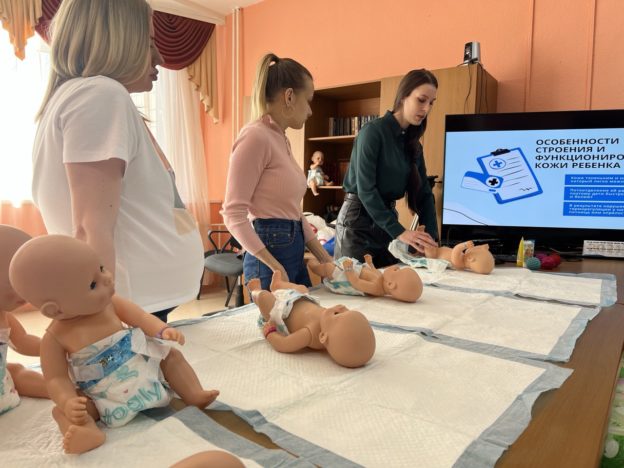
x: 180, y: 40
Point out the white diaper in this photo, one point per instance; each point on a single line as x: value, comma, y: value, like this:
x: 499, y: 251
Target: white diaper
x: 121, y: 374
x: 339, y: 283
x: 400, y: 251
x: 284, y: 301
x: 9, y: 398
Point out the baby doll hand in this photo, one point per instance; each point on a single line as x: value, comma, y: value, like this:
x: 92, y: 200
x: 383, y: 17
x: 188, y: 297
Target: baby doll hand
x: 348, y: 264
x: 76, y: 410
x: 368, y: 259
x: 469, y: 244
x: 173, y: 334
x: 268, y: 328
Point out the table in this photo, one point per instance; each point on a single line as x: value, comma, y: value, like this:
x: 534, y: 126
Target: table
x: 569, y: 424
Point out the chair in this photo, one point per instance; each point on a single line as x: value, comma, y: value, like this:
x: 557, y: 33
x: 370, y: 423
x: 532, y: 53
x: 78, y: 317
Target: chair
x: 227, y: 261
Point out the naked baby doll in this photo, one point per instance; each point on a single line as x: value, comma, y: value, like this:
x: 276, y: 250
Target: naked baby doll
x: 15, y: 379
x: 316, y: 176
x: 95, y: 367
x: 465, y: 256
x: 294, y: 321
x: 348, y: 276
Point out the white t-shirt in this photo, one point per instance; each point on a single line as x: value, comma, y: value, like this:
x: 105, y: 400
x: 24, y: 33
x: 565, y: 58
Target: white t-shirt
x: 159, y: 253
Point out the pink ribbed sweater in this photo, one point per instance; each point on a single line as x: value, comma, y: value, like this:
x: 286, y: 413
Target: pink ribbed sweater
x: 264, y: 181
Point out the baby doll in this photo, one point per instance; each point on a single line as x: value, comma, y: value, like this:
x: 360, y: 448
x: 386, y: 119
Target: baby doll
x: 115, y: 371
x: 210, y: 458
x: 465, y: 256
x: 18, y: 380
x: 316, y: 176
x: 344, y: 276
x: 294, y: 321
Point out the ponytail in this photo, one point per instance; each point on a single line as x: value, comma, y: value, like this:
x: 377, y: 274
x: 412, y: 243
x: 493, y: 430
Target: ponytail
x: 273, y: 75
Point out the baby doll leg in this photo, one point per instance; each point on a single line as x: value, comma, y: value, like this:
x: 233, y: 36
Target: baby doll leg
x: 278, y: 283
x: 263, y: 299
x: 79, y: 438
x: 324, y: 270
x: 183, y: 380
x: 27, y: 383
x: 314, y: 187
x: 210, y: 458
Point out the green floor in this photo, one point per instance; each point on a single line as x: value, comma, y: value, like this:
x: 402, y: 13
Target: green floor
x: 613, y: 456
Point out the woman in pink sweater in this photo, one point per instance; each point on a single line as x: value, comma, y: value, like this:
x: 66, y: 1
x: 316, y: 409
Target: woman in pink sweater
x: 265, y: 185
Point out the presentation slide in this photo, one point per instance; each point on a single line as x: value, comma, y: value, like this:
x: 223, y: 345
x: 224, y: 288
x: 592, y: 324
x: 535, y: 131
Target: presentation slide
x: 535, y: 178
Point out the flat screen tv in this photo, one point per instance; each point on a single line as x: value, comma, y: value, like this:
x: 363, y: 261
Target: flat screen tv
x: 555, y: 177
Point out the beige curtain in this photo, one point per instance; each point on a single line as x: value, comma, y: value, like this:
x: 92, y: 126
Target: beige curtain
x: 19, y: 18
x: 203, y: 74
x: 182, y: 141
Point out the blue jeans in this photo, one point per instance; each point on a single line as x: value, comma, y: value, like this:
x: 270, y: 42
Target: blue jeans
x: 284, y: 239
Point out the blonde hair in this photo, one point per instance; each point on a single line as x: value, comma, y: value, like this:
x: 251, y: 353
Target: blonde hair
x: 272, y: 75
x: 99, y: 37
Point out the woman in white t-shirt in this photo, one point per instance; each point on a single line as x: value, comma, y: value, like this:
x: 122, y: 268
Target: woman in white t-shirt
x: 97, y: 172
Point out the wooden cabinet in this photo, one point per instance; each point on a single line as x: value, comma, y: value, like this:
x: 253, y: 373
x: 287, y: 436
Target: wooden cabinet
x: 461, y: 90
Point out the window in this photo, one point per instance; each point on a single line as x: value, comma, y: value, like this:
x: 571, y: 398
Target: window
x: 22, y: 86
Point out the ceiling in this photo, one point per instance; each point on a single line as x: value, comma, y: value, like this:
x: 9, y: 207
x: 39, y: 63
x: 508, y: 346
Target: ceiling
x: 211, y: 11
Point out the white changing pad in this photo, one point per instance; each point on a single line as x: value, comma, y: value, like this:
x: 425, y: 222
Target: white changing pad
x: 479, y: 321
x: 417, y: 403
x: 566, y: 288
x: 31, y: 438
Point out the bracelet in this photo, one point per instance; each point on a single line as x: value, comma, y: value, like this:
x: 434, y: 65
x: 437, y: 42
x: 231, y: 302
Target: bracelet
x: 270, y: 330
x: 160, y: 333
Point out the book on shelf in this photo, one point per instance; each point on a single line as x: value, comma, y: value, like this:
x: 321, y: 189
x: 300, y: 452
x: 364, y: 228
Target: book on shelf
x: 340, y: 126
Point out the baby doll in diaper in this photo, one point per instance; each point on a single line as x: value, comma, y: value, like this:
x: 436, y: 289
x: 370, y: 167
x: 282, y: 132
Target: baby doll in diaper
x: 95, y: 367
x: 15, y: 379
x: 293, y: 321
x: 464, y: 256
x: 349, y: 276
x: 316, y: 176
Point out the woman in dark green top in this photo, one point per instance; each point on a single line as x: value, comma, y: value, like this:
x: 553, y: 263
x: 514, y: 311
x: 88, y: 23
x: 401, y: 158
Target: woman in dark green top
x: 387, y: 163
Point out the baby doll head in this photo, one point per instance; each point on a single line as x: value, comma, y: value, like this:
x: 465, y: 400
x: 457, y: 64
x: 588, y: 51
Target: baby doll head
x: 402, y: 284
x: 479, y: 259
x: 11, y: 239
x: 318, y: 158
x: 347, y: 336
x: 62, y: 276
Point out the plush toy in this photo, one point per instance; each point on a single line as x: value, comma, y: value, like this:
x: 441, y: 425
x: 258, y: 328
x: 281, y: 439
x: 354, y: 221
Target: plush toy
x: 533, y: 263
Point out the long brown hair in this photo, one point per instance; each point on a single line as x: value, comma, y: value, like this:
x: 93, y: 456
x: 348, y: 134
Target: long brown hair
x: 272, y: 75
x: 409, y: 83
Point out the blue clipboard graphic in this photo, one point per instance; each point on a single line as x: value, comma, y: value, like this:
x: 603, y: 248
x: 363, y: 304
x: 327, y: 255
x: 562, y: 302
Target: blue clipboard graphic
x: 506, y: 174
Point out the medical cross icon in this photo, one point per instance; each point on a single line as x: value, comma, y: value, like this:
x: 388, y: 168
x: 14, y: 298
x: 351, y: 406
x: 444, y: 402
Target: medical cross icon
x: 497, y: 164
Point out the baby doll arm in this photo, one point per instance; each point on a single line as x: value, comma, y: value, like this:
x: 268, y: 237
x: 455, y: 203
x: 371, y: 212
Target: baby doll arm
x: 287, y: 344
x: 25, y: 344
x: 370, y: 284
x: 130, y: 313
x: 457, y: 254
x: 60, y: 388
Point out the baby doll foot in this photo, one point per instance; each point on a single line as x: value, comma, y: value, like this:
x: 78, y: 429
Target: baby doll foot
x: 81, y: 439
x: 203, y: 398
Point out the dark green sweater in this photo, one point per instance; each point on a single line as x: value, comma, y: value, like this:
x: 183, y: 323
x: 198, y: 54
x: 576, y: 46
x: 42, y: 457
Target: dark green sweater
x: 379, y: 172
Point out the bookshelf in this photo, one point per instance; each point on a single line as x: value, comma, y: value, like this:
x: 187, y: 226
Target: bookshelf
x: 462, y: 90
